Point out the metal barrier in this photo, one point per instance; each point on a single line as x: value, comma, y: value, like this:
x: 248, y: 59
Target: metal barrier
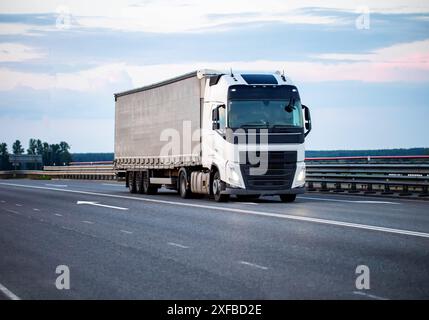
x: 402, y: 176
x: 86, y: 171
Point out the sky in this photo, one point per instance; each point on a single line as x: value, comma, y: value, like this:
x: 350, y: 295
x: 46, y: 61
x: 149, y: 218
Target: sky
x: 361, y: 66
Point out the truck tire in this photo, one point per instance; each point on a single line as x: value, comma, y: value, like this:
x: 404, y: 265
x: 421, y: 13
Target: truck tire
x: 147, y: 187
x: 139, y: 182
x: 132, y: 182
x: 184, y: 190
x: 287, y: 197
x: 216, y: 189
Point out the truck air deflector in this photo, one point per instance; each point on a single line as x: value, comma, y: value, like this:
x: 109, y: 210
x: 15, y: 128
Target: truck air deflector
x: 246, y: 92
x: 259, y: 79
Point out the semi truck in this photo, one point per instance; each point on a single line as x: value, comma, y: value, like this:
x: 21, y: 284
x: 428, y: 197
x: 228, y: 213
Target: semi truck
x: 213, y: 133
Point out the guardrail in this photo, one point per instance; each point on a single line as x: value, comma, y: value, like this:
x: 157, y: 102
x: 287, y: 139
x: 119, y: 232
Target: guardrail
x: 86, y: 171
x: 401, y: 176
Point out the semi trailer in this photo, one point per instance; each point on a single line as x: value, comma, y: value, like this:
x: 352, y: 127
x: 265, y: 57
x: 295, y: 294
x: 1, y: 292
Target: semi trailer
x: 213, y: 133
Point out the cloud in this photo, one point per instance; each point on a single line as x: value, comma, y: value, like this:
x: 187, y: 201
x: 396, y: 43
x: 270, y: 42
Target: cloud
x: 167, y: 16
x: 91, y: 80
x: 408, y: 62
x: 15, y: 52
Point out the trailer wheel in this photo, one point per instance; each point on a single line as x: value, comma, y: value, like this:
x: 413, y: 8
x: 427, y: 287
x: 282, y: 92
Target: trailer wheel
x: 139, y: 182
x: 184, y: 190
x: 287, y: 197
x: 132, y: 182
x: 217, y: 187
x: 148, y: 188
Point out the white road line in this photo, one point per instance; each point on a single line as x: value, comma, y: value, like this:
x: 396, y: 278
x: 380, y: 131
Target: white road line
x: 369, y: 295
x: 349, y: 201
x: 18, y: 205
x: 177, y: 245
x: 114, y: 185
x: 127, y: 232
x: 9, y: 294
x: 56, y: 185
x: 88, y: 222
x: 251, y: 203
x: 256, y: 213
x: 12, y: 211
x: 94, y: 203
x: 2, y: 201
x: 58, y: 215
x: 35, y: 209
x: 254, y: 265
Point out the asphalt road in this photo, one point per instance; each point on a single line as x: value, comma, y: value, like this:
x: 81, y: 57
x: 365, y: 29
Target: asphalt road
x: 122, y: 246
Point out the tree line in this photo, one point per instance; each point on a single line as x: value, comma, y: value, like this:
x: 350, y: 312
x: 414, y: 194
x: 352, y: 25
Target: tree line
x: 52, y: 154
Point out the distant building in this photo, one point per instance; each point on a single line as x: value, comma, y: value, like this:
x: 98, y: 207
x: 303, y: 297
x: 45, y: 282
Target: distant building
x: 26, y: 161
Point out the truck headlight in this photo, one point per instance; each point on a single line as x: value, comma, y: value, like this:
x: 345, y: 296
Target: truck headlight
x: 233, y: 175
x: 300, y: 178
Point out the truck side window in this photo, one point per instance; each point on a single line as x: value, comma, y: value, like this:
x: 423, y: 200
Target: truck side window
x: 222, y: 117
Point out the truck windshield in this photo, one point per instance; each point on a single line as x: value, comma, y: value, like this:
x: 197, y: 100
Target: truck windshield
x: 265, y: 113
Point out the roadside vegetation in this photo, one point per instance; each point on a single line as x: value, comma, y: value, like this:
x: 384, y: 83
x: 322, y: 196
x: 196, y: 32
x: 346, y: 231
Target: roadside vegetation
x: 56, y: 154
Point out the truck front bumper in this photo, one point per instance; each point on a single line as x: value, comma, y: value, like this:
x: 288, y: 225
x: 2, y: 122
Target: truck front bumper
x: 233, y: 191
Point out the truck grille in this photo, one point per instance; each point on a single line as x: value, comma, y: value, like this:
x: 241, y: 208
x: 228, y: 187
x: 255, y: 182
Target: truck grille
x: 279, y: 175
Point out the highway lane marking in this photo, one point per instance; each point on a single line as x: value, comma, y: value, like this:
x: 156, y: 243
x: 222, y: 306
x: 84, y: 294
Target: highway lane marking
x: 35, y: 209
x: 372, y: 296
x: 87, y: 222
x: 256, y: 213
x: 12, y: 211
x: 126, y: 231
x: 174, y: 244
x: 9, y: 294
x: 254, y: 265
x: 252, y: 203
x: 58, y: 215
x: 349, y: 201
x: 18, y: 205
x: 114, y: 185
x: 2, y: 201
x: 94, y: 203
x: 56, y: 185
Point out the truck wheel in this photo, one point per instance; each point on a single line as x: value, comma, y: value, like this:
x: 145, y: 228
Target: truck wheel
x: 131, y: 182
x: 184, y: 191
x: 216, y: 188
x: 139, y: 182
x: 288, y: 197
x: 147, y: 187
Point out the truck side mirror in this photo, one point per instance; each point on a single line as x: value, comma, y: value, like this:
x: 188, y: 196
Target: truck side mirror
x: 215, y: 114
x: 216, y: 117
x: 307, y: 120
